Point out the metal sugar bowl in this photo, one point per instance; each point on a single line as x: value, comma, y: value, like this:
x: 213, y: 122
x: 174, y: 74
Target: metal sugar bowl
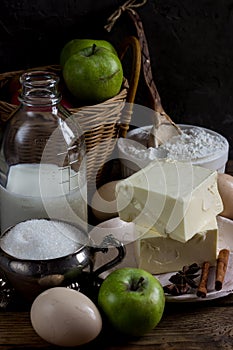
x: 29, y: 264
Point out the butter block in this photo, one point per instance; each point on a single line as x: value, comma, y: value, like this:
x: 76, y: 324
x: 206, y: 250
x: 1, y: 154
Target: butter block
x: 158, y: 254
x: 176, y: 199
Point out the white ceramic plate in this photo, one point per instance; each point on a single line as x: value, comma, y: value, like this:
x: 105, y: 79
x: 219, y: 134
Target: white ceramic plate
x: 117, y: 226
x: 225, y: 227
x: 212, y: 293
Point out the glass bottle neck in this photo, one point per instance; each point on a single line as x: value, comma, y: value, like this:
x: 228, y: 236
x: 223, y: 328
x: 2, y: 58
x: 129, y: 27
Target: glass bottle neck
x: 39, y: 88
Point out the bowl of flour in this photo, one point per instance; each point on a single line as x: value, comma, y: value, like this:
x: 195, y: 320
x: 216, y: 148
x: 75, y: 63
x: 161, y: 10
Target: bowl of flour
x: 198, y: 145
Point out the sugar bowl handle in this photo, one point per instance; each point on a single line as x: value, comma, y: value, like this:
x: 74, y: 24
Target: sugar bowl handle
x: 109, y: 241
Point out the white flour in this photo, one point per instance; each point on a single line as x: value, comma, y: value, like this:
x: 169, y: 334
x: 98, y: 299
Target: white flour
x: 194, y: 143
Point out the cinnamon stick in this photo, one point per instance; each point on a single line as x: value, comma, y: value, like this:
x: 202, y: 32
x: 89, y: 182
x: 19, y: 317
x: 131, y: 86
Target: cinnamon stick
x: 221, y: 268
x: 202, y: 287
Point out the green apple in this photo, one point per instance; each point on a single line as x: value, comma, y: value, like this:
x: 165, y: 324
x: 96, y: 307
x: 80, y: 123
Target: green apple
x: 132, y: 300
x: 77, y: 45
x: 94, y: 74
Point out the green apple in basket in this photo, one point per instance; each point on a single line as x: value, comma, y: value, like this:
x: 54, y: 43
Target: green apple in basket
x: 132, y: 300
x: 76, y: 45
x: 93, y: 74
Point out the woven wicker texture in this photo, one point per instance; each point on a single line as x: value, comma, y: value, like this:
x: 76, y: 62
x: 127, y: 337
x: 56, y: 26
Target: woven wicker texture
x: 102, y: 123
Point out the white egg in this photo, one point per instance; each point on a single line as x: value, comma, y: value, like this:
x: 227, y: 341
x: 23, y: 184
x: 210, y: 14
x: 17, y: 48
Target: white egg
x: 65, y: 317
x: 225, y: 187
x: 104, y: 204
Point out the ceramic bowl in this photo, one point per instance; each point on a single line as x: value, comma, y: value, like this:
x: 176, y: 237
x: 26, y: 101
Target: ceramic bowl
x: 137, y: 159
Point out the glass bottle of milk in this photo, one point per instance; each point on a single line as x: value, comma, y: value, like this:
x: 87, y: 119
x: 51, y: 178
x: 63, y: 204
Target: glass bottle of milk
x: 43, y: 158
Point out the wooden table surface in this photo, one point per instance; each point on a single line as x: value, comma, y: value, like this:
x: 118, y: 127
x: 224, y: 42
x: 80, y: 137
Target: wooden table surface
x: 184, y: 326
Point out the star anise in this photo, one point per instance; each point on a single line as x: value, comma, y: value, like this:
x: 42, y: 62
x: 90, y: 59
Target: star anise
x: 183, y: 280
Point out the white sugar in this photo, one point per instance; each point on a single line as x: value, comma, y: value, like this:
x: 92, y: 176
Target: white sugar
x: 40, y: 239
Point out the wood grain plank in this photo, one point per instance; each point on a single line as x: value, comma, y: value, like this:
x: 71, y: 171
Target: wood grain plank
x: 189, y: 327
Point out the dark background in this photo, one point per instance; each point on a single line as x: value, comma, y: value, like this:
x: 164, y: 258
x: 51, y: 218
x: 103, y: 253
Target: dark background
x: 190, y: 43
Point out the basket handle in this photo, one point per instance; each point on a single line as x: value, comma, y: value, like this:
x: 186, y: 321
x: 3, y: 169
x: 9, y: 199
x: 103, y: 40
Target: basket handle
x: 130, y: 42
x: 133, y: 43
x: 154, y: 98
x: 161, y: 119
x: 129, y: 8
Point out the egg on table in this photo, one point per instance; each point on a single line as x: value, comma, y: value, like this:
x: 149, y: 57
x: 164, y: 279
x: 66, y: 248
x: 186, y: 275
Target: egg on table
x: 225, y: 188
x: 65, y: 317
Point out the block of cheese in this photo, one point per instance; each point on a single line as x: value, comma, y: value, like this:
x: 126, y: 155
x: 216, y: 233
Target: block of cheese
x: 158, y: 254
x: 173, y: 198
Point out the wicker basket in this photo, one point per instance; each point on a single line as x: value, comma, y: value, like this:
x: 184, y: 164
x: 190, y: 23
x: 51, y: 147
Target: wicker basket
x: 102, y: 123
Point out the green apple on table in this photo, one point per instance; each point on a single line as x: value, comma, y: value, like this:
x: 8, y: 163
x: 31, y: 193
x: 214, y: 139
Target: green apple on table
x: 74, y: 46
x: 93, y: 75
x: 132, y: 300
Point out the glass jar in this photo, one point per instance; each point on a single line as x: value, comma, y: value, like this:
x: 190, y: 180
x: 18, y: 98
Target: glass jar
x: 43, y: 157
